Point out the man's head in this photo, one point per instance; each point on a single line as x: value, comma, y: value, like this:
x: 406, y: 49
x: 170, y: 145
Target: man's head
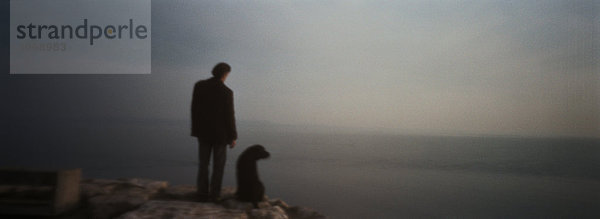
x: 221, y: 71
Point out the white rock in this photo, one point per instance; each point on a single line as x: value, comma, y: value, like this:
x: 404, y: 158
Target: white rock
x: 280, y: 203
x: 233, y: 203
x: 109, y: 198
x: 182, y: 209
x: 268, y: 213
x: 228, y: 192
x: 135, y: 198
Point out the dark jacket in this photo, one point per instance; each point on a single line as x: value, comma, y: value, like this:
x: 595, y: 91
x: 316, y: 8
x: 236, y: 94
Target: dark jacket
x: 213, y: 119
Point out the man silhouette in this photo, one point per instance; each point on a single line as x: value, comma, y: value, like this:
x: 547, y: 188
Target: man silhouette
x: 213, y: 123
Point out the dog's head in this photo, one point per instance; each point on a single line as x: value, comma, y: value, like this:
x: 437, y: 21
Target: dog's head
x: 256, y: 152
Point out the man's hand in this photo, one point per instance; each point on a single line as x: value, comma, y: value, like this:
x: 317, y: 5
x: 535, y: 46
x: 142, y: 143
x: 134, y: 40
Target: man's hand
x: 232, y: 144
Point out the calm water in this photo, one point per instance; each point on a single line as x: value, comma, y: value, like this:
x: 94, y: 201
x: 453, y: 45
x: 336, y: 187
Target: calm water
x: 342, y: 175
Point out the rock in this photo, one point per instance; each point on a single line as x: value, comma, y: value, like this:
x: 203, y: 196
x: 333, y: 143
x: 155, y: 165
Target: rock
x: 274, y: 212
x: 228, y: 192
x: 143, y: 198
x: 233, y: 203
x: 110, y: 198
x: 297, y: 212
x: 93, y: 187
x: 179, y: 192
x: 228, y: 199
x: 152, y: 186
x: 264, y: 204
x: 109, y: 206
x: 280, y: 203
x: 182, y: 209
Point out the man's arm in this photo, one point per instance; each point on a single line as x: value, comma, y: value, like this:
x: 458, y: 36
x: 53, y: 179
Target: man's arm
x: 195, y: 107
x: 231, y: 119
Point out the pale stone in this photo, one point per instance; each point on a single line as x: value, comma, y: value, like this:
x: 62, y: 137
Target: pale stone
x: 228, y: 192
x: 110, y: 198
x: 137, y: 198
x: 274, y: 212
x: 280, y: 203
x: 182, y: 209
x: 264, y: 204
x: 233, y: 203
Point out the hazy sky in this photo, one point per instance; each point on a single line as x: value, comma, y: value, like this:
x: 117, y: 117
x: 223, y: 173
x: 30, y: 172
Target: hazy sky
x: 431, y: 67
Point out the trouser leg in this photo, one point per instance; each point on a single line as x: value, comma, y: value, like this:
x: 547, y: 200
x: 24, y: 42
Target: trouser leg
x: 204, y: 151
x: 219, y: 158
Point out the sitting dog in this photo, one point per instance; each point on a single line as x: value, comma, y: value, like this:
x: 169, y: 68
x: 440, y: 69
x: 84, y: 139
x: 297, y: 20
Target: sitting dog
x: 249, y: 187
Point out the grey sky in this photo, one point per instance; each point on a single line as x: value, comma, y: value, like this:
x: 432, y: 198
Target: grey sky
x: 431, y: 67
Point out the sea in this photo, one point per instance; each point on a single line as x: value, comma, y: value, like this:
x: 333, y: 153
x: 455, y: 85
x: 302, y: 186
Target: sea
x: 340, y: 174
